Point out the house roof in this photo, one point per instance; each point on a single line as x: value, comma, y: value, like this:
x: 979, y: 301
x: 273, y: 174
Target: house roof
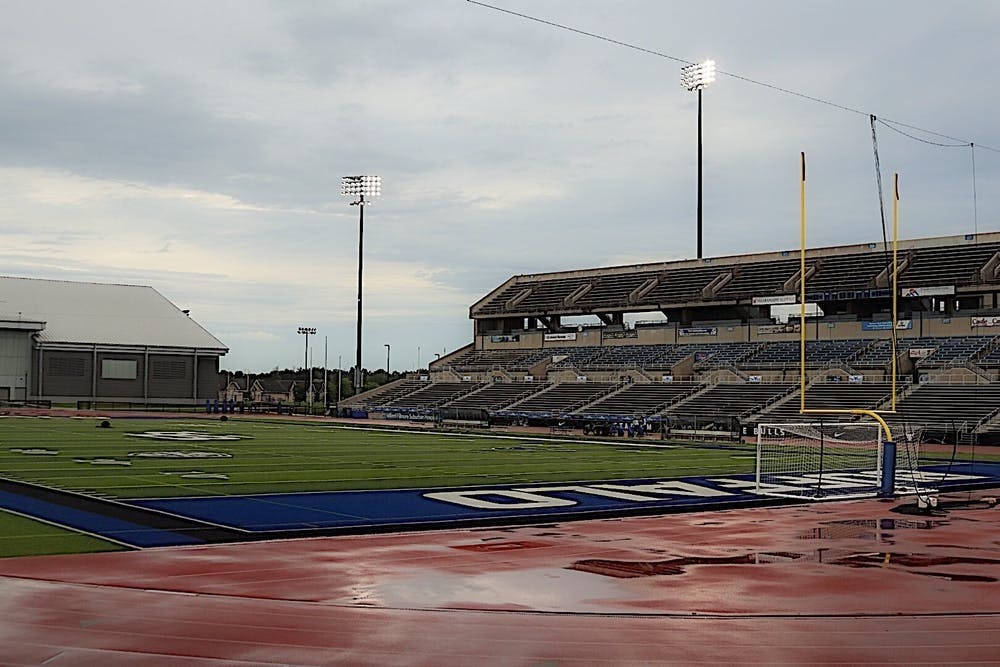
x: 276, y: 385
x: 97, y: 313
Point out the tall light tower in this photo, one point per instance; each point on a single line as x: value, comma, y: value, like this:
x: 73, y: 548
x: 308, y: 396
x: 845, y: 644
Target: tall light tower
x: 357, y: 188
x: 696, y: 77
x: 307, y: 331
x: 388, y: 348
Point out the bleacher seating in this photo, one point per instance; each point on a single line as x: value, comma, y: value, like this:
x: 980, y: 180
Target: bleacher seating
x: 949, y: 404
x: 856, y: 271
x: 991, y: 358
x: 432, y: 394
x: 850, y: 283
x: 479, y: 360
x: 720, y: 355
x: 946, y: 350
x: 830, y: 396
x: 496, y: 395
x: 946, y: 262
x: 759, y: 278
x: 787, y: 353
x: 638, y: 400
x: 608, y: 290
x: 561, y: 398
x: 394, y: 391
x: 730, y: 400
x: 629, y: 356
x: 954, y: 349
x: 947, y: 265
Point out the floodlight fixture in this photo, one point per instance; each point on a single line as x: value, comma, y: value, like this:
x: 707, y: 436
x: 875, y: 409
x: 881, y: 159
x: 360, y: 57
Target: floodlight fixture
x: 358, y: 188
x: 697, y: 76
x: 307, y: 331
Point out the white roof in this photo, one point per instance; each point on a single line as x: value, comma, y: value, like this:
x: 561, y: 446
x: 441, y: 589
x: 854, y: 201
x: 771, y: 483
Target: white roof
x: 99, y: 313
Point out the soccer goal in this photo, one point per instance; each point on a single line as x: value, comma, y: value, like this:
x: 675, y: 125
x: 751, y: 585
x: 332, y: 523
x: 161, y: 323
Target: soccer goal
x: 819, y: 459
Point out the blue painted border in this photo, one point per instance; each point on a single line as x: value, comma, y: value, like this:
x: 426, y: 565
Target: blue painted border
x: 280, y: 512
x: 118, y: 530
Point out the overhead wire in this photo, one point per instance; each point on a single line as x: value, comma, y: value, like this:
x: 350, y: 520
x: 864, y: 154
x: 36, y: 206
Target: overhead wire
x: 787, y: 91
x: 893, y: 125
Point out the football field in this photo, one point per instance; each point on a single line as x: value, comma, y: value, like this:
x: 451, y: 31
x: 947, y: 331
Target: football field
x: 152, y: 459
x: 71, y: 485
x: 169, y: 458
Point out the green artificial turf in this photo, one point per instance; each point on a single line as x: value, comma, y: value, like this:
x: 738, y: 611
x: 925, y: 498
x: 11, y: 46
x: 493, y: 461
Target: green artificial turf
x: 21, y: 536
x: 73, y: 454
x: 274, y: 457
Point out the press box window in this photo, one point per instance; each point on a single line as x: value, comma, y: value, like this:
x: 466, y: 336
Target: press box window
x: 118, y: 369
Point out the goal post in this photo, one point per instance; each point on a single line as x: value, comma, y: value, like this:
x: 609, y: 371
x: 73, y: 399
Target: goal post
x: 836, y: 460
x: 819, y: 459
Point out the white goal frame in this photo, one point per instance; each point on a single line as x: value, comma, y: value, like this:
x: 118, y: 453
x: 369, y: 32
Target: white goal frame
x: 813, y: 461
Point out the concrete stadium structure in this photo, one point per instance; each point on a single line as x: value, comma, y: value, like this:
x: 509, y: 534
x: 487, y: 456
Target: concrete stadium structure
x: 66, y: 342
x: 720, y: 340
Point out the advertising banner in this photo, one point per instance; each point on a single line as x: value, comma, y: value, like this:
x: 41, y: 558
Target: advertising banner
x: 944, y: 290
x: 921, y: 352
x: 855, y: 379
x: 505, y: 339
x: 698, y: 331
x: 773, y: 300
x: 616, y: 335
x: 771, y: 329
x: 878, y: 325
x: 560, y: 336
x: 985, y: 322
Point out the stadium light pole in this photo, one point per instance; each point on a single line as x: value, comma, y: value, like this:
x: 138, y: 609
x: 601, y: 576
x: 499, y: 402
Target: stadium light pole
x: 695, y: 78
x: 387, y: 350
x: 357, y: 188
x: 307, y: 331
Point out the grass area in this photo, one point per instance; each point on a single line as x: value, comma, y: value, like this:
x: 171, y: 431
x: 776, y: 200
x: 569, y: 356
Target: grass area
x: 21, y: 536
x: 73, y: 454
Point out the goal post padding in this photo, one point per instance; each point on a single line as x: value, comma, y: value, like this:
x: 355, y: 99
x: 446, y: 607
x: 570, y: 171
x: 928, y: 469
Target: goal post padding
x: 819, y: 459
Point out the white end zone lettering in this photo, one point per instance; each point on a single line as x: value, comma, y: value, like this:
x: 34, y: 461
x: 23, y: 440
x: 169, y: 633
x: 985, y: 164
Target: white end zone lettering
x: 533, y: 498
x: 471, y: 499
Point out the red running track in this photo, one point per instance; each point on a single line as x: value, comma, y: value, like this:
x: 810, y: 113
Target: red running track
x: 847, y: 582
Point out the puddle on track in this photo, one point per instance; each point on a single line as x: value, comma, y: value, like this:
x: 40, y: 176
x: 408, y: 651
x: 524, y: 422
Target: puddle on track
x: 546, y: 589
x: 909, y: 562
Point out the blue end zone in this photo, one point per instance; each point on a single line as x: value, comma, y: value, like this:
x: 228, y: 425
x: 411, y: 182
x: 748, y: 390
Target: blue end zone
x: 275, y: 513
x: 121, y: 531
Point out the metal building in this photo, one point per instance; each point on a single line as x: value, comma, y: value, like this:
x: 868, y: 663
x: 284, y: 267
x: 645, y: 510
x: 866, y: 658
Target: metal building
x: 67, y: 341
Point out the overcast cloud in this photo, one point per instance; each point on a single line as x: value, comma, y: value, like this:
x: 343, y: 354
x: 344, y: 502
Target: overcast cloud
x: 198, y: 147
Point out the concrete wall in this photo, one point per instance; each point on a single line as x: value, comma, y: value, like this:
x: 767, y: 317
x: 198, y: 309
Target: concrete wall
x: 15, y: 364
x: 70, y: 375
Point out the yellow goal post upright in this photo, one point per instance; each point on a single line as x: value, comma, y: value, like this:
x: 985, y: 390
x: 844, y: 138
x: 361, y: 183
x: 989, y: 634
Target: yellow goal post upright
x: 885, y: 456
x: 887, y: 467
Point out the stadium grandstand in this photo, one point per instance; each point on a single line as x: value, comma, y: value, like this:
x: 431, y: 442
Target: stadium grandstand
x: 73, y: 342
x: 719, y: 347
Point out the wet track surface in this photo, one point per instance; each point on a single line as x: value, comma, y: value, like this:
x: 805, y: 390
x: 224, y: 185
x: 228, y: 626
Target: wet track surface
x: 840, y: 582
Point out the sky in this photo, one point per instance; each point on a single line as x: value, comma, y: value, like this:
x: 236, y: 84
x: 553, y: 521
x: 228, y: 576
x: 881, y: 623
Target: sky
x: 197, y: 147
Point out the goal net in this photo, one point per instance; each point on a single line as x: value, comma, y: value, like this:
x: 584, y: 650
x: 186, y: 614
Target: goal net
x: 819, y: 460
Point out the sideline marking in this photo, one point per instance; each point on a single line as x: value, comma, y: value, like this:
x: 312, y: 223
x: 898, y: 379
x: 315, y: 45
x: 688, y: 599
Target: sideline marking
x: 631, y: 442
